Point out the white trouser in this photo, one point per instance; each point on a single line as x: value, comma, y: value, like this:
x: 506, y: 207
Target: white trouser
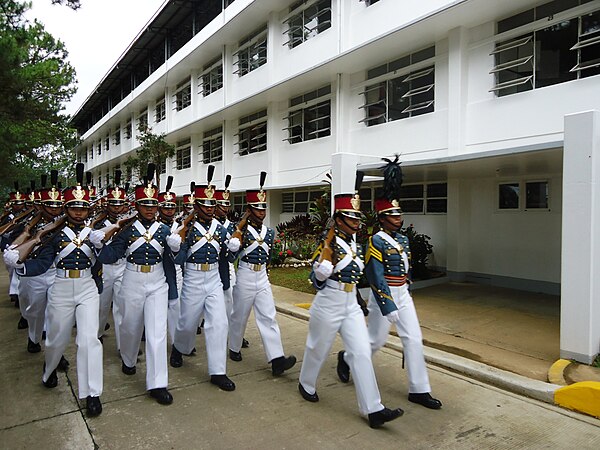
x: 410, y: 333
x: 37, y: 298
x: 73, y: 301
x: 228, y: 298
x: 23, y: 293
x: 334, y: 311
x: 252, y: 289
x: 143, y: 301
x: 174, y: 309
x: 202, y: 293
x: 112, y: 276
x: 13, y: 288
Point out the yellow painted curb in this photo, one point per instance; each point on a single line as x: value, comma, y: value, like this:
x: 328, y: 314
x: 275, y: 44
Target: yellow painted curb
x: 556, y: 371
x: 583, y: 397
x: 303, y: 305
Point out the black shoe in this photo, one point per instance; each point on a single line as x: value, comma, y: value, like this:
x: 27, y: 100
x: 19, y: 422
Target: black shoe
x: 32, y: 347
x: 235, y: 356
x: 52, y: 380
x: 101, y: 339
x: 144, y: 336
x: 426, y: 400
x: 343, y: 369
x: 198, y: 330
x: 245, y: 343
x: 107, y: 326
x: 281, y: 364
x: 43, y: 335
x: 13, y: 297
x: 223, y: 382
x: 22, y: 323
x: 306, y: 396
x: 377, y: 419
x: 16, y: 301
x: 176, y: 359
x: 192, y: 353
x: 127, y: 370
x: 162, y: 396
x: 93, y: 407
x: 63, y: 364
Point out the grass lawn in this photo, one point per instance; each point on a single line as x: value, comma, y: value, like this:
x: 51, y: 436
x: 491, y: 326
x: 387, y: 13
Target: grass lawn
x: 295, y: 278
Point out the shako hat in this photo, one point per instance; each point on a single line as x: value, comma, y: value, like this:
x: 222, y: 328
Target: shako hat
x: 147, y: 193
x: 116, y: 195
x: 389, y: 203
x: 77, y: 196
x: 222, y: 195
x: 168, y: 199
x: 348, y: 204
x: 257, y: 198
x: 205, y: 194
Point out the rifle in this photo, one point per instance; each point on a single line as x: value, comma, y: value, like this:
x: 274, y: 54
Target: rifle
x: 120, y: 225
x: 27, y: 247
x: 327, y: 250
x: 4, y: 215
x: 26, y: 234
x: 241, y: 226
x: 99, y: 218
x: 10, y: 225
x: 183, y: 230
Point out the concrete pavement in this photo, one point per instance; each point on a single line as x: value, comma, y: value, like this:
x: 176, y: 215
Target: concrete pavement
x: 265, y: 412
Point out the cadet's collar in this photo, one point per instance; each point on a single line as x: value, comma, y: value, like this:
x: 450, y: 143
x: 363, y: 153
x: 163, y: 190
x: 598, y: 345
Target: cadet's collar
x: 344, y: 236
x: 254, y: 225
x: 75, y: 227
x: 146, y: 223
x: 204, y: 222
x: 167, y: 222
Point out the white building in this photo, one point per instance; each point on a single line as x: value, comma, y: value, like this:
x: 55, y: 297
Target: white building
x: 493, y: 106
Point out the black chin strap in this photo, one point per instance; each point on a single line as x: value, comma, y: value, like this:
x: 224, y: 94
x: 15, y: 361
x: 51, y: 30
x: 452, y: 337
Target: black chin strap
x: 389, y: 224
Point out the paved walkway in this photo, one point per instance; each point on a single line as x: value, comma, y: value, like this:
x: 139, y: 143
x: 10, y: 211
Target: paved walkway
x: 265, y: 412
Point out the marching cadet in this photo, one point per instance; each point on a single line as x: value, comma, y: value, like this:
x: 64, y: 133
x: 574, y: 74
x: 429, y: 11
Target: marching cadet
x: 34, y: 289
x: 251, y: 243
x: 388, y: 266
x: 112, y: 274
x: 202, y: 291
x: 337, y: 268
x: 72, y: 298
x: 17, y: 206
x: 226, y: 268
x: 167, y: 207
x: 188, y: 200
x: 148, y: 283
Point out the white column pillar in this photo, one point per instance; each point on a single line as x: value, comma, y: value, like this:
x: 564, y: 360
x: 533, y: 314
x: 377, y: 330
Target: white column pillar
x: 580, y: 261
x: 343, y: 172
x: 458, y: 52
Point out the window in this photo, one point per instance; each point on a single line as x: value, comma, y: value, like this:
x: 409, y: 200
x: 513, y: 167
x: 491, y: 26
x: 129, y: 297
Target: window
x: 564, y: 51
x: 183, y: 95
x: 299, y: 201
x: 99, y: 147
x: 430, y: 198
x: 92, y: 151
x: 369, y: 2
x: 399, y: 97
x: 142, y: 120
x: 508, y: 196
x: 252, y: 135
x: 310, y: 17
x: 252, y: 52
x: 84, y: 155
x: 309, y: 116
x: 239, y: 202
x: 99, y: 182
x: 183, y: 154
x: 160, y: 111
x: 107, y: 143
x: 536, y: 195
x: 211, y: 79
x: 107, y: 178
x: 117, y: 137
x: 212, y: 145
x: 162, y: 167
x: 128, y: 130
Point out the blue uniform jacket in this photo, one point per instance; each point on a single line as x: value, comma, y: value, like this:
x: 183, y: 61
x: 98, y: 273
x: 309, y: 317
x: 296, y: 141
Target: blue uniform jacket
x: 350, y: 274
x: 76, y: 260
x: 224, y: 262
x: 384, y: 260
x: 145, y: 254
x: 258, y: 255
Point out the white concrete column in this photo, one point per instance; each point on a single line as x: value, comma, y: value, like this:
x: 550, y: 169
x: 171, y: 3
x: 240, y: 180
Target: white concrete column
x: 343, y: 172
x: 580, y: 261
x: 457, y: 88
x: 458, y: 229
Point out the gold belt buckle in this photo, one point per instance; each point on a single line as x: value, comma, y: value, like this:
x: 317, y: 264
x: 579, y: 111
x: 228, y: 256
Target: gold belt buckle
x: 348, y: 287
x: 204, y: 267
x: 74, y: 273
x: 256, y: 267
x: 145, y: 269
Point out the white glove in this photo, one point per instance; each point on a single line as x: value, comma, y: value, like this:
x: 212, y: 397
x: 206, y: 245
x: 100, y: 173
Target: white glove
x: 96, y: 238
x: 323, y: 270
x: 393, y: 317
x: 11, y: 259
x: 174, y: 242
x: 233, y: 245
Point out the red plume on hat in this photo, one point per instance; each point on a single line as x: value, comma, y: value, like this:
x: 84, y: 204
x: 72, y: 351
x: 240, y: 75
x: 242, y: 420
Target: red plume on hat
x: 389, y: 204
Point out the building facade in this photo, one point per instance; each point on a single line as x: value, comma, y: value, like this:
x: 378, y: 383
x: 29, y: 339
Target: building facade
x: 477, y: 96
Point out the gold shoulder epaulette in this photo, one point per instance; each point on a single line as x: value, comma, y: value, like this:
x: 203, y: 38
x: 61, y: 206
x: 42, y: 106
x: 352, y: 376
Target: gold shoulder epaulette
x: 373, y: 252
